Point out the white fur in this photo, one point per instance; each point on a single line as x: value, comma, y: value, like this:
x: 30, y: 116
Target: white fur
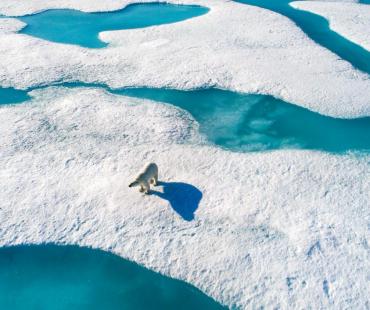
x: 147, y: 176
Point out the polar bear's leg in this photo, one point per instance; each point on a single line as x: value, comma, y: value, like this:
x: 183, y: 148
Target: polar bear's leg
x: 155, y: 179
x: 146, y: 187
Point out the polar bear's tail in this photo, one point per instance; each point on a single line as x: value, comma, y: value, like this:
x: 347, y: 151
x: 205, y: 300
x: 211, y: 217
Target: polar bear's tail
x: 135, y: 183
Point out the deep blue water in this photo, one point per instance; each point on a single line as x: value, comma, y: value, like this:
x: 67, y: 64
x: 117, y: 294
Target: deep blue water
x: 317, y: 28
x: 76, y: 27
x: 244, y: 122
x: 50, y: 277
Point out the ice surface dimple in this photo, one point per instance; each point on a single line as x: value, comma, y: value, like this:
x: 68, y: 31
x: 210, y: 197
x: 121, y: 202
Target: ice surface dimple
x: 325, y: 287
x: 315, y: 248
x: 289, y: 282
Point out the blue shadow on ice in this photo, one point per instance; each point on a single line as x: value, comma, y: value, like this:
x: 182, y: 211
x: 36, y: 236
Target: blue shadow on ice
x: 184, y: 198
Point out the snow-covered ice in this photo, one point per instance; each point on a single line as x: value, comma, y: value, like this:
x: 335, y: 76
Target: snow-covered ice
x: 352, y: 20
x: 20, y: 7
x: 284, y: 229
x: 10, y: 25
x: 234, y: 46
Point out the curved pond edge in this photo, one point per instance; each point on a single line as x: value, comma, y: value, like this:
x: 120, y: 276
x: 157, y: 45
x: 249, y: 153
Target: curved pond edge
x: 88, y: 278
x: 70, y: 26
x: 251, y: 122
x: 317, y: 28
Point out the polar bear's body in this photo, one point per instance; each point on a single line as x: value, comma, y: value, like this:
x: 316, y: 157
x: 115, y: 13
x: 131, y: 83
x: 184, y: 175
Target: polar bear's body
x: 146, y: 177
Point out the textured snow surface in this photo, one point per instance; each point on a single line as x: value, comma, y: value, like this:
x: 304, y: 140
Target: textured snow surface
x: 21, y: 7
x: 351, y: 20
x: 9, y: 25
x: 286, y: 229
x: 234, y: 46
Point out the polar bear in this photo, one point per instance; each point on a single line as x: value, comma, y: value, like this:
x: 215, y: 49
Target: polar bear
x: 146, y: 177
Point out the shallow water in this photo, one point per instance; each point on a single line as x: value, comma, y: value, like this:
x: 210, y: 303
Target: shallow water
x: 242, y: 122
x: 317, y: 28
x: 76, y: 27
x: 11, y: 95
x: 68, y: 277
x: 245, y: 123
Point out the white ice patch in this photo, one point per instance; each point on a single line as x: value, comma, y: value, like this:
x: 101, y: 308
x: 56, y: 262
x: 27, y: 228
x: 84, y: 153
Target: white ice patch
x: 234, y: 46
x: 72, y: 114
x: 336, y: 1
x: 9, y: 25
x: 348, y: 19
x: 20, y: 7
x: 285, y: 229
